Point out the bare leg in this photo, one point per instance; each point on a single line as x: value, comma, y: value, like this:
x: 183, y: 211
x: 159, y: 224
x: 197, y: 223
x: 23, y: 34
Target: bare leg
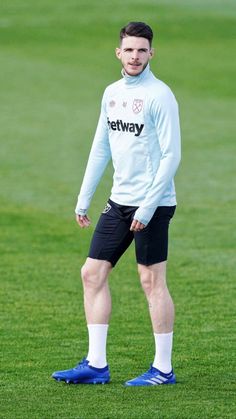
x: 97, y: 298
x: 97, y: 305
x: 161, y: 307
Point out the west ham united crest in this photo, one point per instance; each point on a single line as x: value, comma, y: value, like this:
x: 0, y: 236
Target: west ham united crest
x: 137, y: 105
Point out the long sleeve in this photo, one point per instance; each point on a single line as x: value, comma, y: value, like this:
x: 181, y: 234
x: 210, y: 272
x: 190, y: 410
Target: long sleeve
x: 166, y: 119
x: 99, y: 157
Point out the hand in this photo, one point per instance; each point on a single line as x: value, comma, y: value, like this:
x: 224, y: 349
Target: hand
x: 136, y: 226
x: 83, y: 220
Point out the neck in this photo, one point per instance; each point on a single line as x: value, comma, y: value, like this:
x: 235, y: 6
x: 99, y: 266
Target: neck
x: 124, y: 73
x: 134, y: 80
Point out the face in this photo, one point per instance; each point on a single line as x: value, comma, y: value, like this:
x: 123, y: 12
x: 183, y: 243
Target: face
x: 134, y: 54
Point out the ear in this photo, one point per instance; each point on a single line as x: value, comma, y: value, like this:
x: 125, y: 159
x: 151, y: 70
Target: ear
x: 118, y: 53
x: 152, y: 51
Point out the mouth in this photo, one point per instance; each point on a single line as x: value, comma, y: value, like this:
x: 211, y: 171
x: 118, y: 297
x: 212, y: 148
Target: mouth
x: 135, y: 64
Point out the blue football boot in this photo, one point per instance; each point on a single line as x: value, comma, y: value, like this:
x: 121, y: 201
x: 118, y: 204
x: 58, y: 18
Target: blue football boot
x: 152, y: 377
x: 83, y: 374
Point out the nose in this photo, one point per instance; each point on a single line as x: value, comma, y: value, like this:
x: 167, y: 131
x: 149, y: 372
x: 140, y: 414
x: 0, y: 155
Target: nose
x: 135, y: 54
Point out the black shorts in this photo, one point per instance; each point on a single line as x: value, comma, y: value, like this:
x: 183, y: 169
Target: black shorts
x: 112, y: 235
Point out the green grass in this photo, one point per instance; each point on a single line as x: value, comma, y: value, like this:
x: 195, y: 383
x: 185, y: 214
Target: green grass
x: 56, y: 58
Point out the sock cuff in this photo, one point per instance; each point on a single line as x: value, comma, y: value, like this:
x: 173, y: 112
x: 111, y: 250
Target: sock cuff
x: 98, y: 325
x: 163, y: 334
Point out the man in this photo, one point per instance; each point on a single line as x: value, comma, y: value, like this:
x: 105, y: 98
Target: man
x: 139, y: 129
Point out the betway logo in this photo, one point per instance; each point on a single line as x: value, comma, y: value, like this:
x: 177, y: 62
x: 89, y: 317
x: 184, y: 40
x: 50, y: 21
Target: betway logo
x: 119, y: 125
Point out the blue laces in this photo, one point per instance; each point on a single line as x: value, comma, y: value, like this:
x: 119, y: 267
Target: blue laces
x: 81, y: 364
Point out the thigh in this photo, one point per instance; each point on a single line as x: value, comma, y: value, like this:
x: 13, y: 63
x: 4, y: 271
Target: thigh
x: 111, y: 237
x: 151, y: 244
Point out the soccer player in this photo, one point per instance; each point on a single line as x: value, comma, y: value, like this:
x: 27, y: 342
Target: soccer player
x: 139, y: 130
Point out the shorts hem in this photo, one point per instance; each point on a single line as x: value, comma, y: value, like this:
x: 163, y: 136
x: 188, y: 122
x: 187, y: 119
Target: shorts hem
x: 113, y: 264
x: 153, y: 262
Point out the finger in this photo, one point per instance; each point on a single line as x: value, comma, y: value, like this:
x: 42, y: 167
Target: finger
x: 79, y: 221
x: 83, y: 220
x: 133, y: 225
x: 86, y: 220
x: 137, y: 226
x: 142, y: 226
x: 83, y: 223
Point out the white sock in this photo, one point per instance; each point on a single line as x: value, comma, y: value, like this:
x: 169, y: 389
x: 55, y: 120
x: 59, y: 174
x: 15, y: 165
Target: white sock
x: 162, y: 360
x: 97, y: 345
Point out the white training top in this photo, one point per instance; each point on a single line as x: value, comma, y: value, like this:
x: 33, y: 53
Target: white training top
x: 139, y: 129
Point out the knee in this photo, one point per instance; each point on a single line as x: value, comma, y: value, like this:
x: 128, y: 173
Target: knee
x: 146, y: 280
x: 92, y: 276
x: 151, y: 280
x: 85, y: 273
x: 88, y: 277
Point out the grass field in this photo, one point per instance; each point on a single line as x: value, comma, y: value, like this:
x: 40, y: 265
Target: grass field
x: 56, y: 58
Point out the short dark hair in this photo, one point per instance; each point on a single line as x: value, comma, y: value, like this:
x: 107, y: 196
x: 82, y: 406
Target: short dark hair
x: 139, y: 29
